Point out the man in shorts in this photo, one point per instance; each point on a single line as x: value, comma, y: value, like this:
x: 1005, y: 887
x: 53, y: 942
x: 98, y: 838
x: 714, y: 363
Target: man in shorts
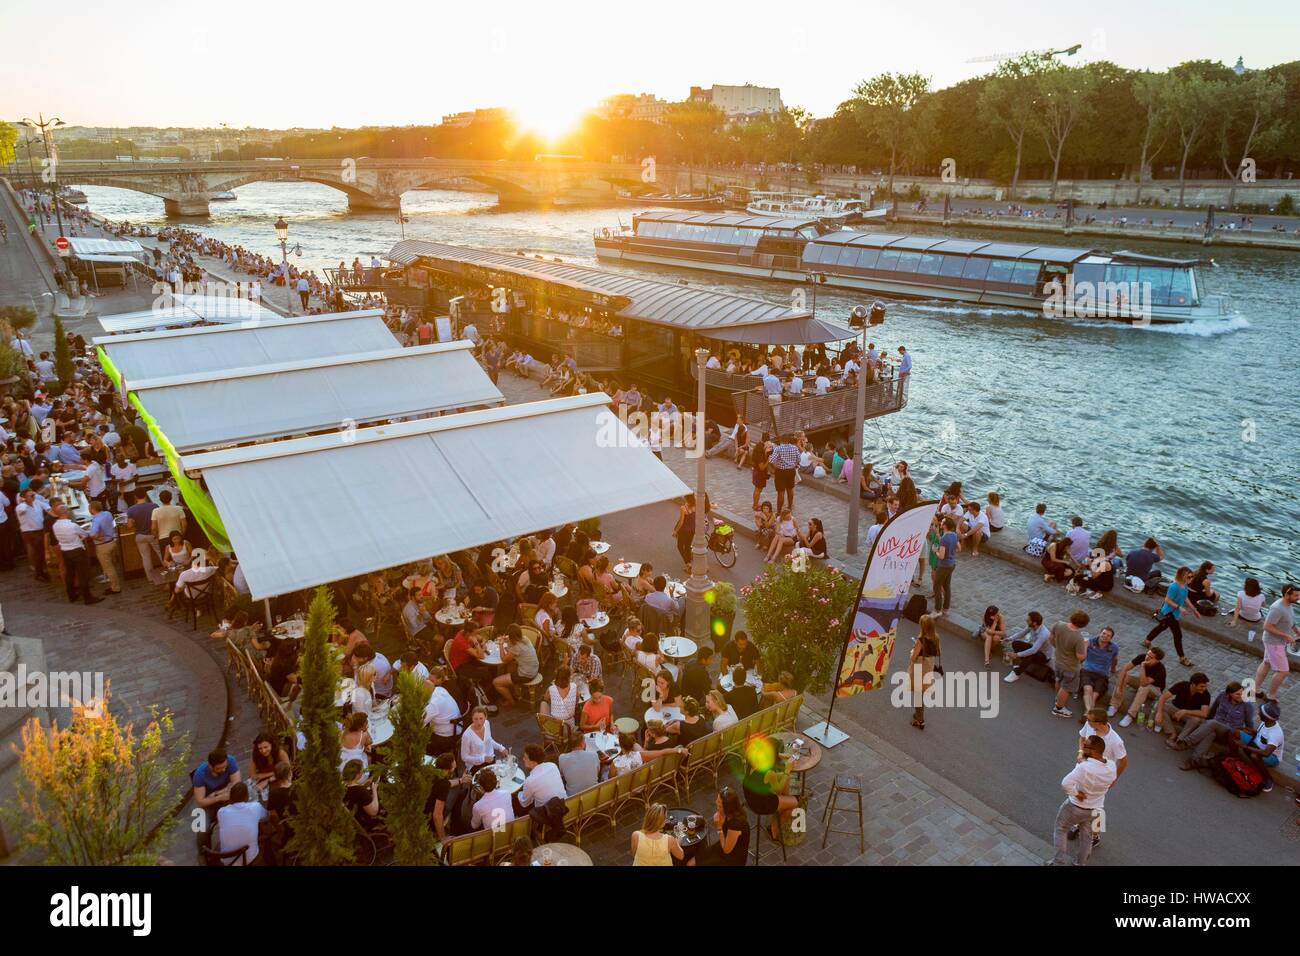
x: 1069, y: 648
x: 1098, y: 666
x: 1279, y: 631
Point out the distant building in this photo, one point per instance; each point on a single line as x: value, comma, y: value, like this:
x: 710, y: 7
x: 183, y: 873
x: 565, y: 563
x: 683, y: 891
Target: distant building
x: 740, y: 102
x: 645, y: 107
x: 492, y: 114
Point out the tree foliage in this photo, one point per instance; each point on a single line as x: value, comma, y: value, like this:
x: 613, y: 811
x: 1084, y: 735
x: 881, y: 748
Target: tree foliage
x: 406, y: 796
x: 797, y: 619
x: 323, y: 829
x: 63, y: 367
x: 96, y: 793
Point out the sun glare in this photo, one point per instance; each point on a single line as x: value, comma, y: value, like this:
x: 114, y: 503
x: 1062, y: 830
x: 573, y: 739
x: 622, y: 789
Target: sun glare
x: 550, y: 118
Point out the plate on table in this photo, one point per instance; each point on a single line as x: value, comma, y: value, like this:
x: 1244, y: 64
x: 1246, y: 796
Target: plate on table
x: 600, y: 620
x: 627, y: 569
x: 676, y: 589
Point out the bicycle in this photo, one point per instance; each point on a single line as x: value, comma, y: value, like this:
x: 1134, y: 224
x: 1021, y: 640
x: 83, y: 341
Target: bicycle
x: 722, y: 544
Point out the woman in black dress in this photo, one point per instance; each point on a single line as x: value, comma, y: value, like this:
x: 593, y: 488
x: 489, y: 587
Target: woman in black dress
x: 732, y: 824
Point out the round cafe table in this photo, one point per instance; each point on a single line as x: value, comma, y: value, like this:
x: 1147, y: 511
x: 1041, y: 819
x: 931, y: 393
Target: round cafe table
x: 601, y: 620
x: 810, y: 755
x: 691, y: 841
x: 628, y: 569
x: 293, y: 629
x: 667, y: 715
x: 561, y: 854
x: 626, y: 725
x: 491, y: 653
x: 606, y: 744
x: 559, y: 590
x: 600, y: 547
x: 452, y: 616
x: 676, y: 589
x: 505, y: 783
x: 678, y: 648
x: 752, y: 678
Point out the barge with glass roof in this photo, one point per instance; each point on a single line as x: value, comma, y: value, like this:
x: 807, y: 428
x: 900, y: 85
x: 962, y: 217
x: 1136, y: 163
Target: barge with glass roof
x: 1077, y: 282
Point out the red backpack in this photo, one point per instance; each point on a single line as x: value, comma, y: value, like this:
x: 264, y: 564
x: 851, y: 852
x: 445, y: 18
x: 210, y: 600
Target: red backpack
x: 1237, y: 776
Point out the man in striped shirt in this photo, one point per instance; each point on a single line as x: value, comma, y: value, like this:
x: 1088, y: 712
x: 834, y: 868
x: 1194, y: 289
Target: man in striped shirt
x: 784, y: 460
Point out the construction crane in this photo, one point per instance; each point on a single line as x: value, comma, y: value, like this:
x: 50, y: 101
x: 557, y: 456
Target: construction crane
x: 999, y: 57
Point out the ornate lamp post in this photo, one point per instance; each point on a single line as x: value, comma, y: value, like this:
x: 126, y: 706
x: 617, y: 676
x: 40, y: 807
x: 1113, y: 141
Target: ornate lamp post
x: 45, y: 126
x: 282, y: 233
x: 698, y: 585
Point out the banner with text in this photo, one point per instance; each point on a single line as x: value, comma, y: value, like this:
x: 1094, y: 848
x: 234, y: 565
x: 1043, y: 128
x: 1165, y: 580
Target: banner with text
x: 886, y: 582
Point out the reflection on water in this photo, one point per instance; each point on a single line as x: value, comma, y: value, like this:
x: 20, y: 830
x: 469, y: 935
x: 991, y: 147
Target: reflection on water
x: 1147, y: 430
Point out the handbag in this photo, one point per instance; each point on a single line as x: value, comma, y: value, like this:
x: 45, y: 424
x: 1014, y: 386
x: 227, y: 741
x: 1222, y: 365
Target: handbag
x: 1036, y: 547
x: 938, y: 665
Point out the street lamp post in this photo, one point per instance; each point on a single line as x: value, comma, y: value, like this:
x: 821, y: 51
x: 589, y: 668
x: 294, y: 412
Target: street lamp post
x: 45, y: 126
x: 860, y: 319
x: 282, y: 233
x: 698, y: 618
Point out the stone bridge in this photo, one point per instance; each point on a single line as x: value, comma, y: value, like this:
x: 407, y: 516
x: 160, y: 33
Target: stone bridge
x: 187, y: 187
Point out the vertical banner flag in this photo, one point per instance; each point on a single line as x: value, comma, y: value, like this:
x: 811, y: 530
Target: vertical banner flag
x: 886, y: 581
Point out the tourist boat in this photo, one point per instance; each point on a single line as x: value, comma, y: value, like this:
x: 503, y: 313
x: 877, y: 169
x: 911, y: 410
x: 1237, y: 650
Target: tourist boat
x: 826, y: 208
x: 225, y: 196
x: 672, y: 200
x: 71, y: 195
x: 630, y: 330
x: 1076, y: 282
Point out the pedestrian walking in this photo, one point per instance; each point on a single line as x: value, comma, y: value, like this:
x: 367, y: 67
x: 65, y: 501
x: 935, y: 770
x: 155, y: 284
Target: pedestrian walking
x: 920, y: 667
x: 1171, y: 611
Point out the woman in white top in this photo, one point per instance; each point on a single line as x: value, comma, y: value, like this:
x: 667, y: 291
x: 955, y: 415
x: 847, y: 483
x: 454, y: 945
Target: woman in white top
x: 632, y: 635
x: 355, y: 742
x: 628, y: 758
x: 1250, y: 603
x: 723, y: 715
x: 787, y: 536
x: 544, y: 619
x: 363, y: 695
x: 477, y: 748
x: 561, y: 697
x: 994, y: 512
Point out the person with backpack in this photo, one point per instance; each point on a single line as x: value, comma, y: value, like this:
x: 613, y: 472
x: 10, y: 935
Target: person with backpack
x: 1229, y: 715
x: 1263, y: 745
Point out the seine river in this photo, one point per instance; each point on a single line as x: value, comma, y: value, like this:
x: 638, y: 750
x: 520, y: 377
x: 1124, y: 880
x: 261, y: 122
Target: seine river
x: 1188, y: 434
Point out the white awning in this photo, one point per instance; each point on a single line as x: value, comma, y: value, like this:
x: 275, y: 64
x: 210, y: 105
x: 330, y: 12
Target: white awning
x: 107, y: 258
x: 84, y: 245
x: 146, y: 355
x: 292, y: 398
x: 174, y: 310
x: 309, y: 511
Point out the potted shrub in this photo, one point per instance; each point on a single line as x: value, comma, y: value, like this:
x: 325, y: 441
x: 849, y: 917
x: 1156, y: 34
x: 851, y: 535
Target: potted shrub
x: 797, y: 620
x: 722, y: 612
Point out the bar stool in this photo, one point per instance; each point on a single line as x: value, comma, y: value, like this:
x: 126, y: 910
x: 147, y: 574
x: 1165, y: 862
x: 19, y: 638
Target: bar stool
x: 845, y: 783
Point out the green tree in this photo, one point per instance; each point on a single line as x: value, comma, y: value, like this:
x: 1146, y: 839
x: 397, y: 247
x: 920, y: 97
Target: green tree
x: 1247, y: 118
x: 8, y: 143
x: 695, y: 127
x: 1149, y: 90
x: 62, y: 356
x: 1190, y: 100
x: 1007, y: 102
x: 885, y: 104
x: 412, y: 779
x: 95, y: 793
x: 323, y: 830
x: 1064, y: 95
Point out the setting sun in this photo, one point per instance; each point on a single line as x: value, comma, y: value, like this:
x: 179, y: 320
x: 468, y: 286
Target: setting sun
x: 547, y: 115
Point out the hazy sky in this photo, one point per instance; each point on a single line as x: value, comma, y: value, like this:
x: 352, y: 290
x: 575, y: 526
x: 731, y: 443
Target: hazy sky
x: 326, y: 63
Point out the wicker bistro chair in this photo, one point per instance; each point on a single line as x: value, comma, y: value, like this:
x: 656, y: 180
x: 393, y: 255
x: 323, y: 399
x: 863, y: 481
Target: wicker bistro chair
x: 555, y: 734
x: 630, y: 789
x: 702, y: 758
x: 665, y: 777
x: 596, y: 805
x: 469, y: 850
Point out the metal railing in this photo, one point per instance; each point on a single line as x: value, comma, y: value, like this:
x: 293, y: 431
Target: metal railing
x: 592, y: 356
x: 819, y: 413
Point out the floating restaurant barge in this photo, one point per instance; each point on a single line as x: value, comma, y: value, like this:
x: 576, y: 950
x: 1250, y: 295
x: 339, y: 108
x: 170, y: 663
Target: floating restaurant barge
x: 637, y: 331
x: 1121, y: 286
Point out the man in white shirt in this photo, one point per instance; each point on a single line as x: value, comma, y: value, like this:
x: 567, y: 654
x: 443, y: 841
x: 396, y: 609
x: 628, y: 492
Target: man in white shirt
x: 545, y: 549
x: 304, y: 292
x: 71, y: 538
x: 237, y: 823
x: 30, y: 511
x: 713, y: 362
x: 850, y: 367
x: 794, y: 386
x: 1085, y: 795
x: 95, y: 483
x: 822, y: 384
x: 544, y: 783
x: 493, y: 809
x: 440, y: 712
x: 976, y: 528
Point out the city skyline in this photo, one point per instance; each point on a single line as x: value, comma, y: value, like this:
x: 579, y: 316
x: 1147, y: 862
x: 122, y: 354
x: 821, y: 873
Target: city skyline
x: 549, y: 70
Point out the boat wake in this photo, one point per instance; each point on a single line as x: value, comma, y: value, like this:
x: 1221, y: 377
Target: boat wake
x: 1201, y: 328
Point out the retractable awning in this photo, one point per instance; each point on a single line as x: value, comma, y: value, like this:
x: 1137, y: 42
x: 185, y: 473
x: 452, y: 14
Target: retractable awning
x: 793, y: 331
x: 196, y: 412
x: 145, y: 355
x: 83, y: 246
x: 309, y: 511
x: 107, y: 258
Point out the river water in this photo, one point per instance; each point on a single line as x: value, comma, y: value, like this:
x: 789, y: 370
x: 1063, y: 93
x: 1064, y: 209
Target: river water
x: 1190, y: 434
